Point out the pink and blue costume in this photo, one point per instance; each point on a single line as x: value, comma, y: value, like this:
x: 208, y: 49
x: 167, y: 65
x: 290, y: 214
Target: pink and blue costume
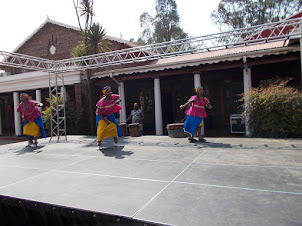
x: 195, y: 113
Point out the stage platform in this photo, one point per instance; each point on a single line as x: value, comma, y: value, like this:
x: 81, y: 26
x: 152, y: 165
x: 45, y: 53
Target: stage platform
x: 160, y: 180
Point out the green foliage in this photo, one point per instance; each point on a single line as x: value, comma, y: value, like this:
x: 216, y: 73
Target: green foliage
x: 243, y: 13
x: 164, y: 26
x: 96, y: 42
x: 96, y: 39
x: 84, y: 9
x: 146, y: 21
x: 79, y: 51
x: 274, y: 111
x: 73, y: 116
x: 140, y: 42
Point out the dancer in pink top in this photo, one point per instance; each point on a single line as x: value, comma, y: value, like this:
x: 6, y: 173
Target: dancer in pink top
x: 195, y: 113
x: 33, y: 126
x: 106, y: 124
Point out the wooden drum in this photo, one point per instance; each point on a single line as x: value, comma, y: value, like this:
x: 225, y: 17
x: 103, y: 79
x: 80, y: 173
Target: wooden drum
x: 176, y: 130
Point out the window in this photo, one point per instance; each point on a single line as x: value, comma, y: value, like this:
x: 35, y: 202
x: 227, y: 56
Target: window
x: 146, y: 99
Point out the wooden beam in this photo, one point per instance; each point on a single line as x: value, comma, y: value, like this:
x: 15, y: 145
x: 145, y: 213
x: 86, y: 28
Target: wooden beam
x: 272, y: 60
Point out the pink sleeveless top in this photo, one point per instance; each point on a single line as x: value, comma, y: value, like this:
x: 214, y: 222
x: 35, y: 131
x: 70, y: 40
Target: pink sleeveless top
x: 197, y: 108
x: 108, y: 107
x: 31, y: 113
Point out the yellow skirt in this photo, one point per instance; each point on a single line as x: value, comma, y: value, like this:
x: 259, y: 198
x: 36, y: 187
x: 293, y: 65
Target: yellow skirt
x: 104, y: 131
x: 32, y: 129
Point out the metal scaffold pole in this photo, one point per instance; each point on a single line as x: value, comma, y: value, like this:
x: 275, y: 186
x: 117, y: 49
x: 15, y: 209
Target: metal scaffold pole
x: 57, y: 104
x: 50, y: 104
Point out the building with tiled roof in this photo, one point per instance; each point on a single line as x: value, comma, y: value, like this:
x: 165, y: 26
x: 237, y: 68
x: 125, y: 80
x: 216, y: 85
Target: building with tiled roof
x: 161, y: 85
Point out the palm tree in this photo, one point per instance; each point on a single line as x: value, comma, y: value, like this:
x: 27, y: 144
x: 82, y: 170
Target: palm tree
x: 95, y: 41
x: 84, y: 10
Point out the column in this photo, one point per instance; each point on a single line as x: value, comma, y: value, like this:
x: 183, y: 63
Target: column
x: 301, y: 54
x: 121, y: 90
x: 39, y: 98
x: 197, y: 82
x: 0, y: 121
x: 63, y: 91
x: 247, y: 81
x: 158, y: 108
x: 18, y: 129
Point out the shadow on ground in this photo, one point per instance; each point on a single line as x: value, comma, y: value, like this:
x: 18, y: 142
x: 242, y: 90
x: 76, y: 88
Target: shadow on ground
x: 26, y: 150
x: 116, y: 152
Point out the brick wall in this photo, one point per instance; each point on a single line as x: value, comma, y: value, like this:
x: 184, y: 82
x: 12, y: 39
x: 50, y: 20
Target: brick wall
x: 64, y: 39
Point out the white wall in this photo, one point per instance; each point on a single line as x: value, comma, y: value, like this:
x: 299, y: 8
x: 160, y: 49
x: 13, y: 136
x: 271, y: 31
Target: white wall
x: 33, y: 80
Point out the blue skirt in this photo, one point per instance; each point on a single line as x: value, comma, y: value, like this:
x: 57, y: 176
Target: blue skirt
x: 112, y: 119
x: 191, y: 124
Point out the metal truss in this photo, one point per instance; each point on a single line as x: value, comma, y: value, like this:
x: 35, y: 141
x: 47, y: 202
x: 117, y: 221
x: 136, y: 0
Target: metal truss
x: 24, y: 61
x: 282, y: 30
x: 265, y: 33
x: 57, y: 105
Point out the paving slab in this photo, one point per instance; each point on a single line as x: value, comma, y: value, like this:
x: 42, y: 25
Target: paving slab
x: 193, y: 204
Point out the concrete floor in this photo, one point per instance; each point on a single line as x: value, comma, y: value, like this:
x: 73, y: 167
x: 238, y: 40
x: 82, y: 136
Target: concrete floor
x: 225, y: 181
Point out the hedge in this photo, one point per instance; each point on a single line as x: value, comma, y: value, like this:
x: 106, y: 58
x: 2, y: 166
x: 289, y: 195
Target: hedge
x: 274, y: 111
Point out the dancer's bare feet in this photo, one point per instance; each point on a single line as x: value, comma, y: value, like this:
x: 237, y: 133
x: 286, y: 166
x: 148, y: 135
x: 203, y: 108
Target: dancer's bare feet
x: 115, y: 140
x: 30, y: 142
x: 35, y: 144
x: 99, y: 145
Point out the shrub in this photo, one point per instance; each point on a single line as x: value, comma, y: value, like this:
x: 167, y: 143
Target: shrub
x: 72, y: 117
x: 274, y: 111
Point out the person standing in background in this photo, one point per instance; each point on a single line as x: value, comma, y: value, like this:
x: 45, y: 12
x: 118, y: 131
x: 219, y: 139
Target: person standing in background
x: 137, y: 116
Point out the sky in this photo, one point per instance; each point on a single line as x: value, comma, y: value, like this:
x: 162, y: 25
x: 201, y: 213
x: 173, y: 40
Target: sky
x: 20, y: 18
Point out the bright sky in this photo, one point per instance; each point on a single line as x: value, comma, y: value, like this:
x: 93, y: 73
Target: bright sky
x: 20, y: 18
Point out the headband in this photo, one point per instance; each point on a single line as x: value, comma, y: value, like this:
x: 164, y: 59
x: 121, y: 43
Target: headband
x: 25, y: 95
x: 196, y: 89
x: 105, y: 89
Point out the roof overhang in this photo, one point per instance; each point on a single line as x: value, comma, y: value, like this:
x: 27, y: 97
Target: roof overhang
x: 211, y: 57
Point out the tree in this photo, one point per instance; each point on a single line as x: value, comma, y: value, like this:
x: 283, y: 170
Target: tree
x: 85, y: 9
x: 146, y: 21
x: 95, y: 41
x: 243, y: 13
x: 164, y: 26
